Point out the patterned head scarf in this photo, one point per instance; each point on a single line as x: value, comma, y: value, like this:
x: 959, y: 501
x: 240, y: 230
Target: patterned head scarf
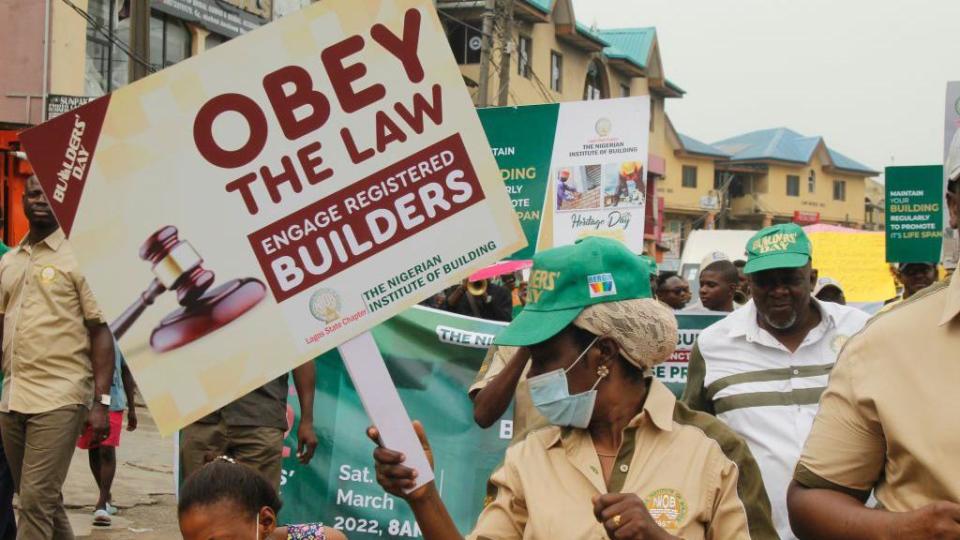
x: 645, y: 329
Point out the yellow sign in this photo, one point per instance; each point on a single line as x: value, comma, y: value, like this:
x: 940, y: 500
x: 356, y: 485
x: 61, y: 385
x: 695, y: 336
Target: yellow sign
x: 857, y: 261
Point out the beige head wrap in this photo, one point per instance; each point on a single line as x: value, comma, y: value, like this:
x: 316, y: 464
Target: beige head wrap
x: 645, y: 329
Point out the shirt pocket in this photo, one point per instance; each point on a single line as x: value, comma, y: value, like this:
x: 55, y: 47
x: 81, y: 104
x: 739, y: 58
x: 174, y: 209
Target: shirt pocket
x: 56, y: 286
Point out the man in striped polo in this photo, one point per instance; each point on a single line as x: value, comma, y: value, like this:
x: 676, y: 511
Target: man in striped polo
x: 762, y: 368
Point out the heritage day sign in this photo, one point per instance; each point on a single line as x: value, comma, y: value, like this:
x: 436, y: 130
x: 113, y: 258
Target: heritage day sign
x: 573, y: 169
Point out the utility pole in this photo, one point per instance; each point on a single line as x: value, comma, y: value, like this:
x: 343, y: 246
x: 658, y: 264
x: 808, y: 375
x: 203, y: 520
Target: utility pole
x: 724, y: 196
x: 506, y: 47
x: 139, y: 38
x: 486, y: 49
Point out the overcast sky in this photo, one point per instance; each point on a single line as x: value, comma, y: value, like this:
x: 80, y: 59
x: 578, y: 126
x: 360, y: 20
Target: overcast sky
x: 867, y: 75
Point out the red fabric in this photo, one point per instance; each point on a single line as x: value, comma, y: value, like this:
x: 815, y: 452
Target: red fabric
x: 84, y: 442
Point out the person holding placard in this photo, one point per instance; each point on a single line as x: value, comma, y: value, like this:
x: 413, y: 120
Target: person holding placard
x: 622, y: 458
x: 502, y: 379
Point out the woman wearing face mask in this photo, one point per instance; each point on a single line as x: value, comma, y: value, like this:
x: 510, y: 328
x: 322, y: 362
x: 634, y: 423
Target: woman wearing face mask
x: 623, y: 459
x: 227, y: 500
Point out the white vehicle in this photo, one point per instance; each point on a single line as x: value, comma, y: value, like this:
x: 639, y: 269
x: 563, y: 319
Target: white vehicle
x: 701, y: 242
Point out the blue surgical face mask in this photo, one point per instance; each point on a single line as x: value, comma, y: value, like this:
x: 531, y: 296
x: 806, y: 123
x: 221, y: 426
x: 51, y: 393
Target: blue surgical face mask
x: 551, y: 396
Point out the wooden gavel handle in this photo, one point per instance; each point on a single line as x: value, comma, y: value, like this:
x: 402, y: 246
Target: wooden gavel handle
x: 126, y: 319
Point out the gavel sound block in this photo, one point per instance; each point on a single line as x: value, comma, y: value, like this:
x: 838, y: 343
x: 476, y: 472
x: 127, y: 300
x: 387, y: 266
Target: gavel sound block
x: 178, y: 266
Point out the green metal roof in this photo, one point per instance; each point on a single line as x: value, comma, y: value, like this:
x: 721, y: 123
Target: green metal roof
x: 542, y: 5
x: 630, y: 44
x: 592, y: 34
x: 671, y: 85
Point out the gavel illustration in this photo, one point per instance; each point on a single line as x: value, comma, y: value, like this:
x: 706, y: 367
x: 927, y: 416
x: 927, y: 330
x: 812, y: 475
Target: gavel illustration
x: 178, y: 266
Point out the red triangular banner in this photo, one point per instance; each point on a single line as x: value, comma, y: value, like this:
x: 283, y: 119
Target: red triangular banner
x: 61, y: 151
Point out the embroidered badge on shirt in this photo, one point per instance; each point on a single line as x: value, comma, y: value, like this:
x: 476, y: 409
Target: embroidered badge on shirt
x: 48, y: 274
x: 838, y: 343
x: 667, y: 507
x: 601, y: 285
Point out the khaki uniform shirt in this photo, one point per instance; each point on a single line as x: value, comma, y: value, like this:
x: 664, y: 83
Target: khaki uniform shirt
x: 526, y: 417
x: 264, y: 407
x: 888, y: 419
x: 696, y: 477
x: 46, y: 306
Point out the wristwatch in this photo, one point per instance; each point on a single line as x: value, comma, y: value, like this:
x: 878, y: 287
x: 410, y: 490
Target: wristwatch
x: 104, y: 399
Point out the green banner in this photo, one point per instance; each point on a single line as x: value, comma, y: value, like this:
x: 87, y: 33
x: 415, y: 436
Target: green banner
x: 673, y: 372
x: 914, y: 213
x: 522, y: 142
x: 433, y: 357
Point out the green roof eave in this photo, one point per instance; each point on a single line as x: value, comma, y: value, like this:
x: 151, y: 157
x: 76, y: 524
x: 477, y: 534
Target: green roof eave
x: 671, y: 85
x: 586, y: 32
x: 615, y: 54
x: 633, y: 44
x: 540, y: 5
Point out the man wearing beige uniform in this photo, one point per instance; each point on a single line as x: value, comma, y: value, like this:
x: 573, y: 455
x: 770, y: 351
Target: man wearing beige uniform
x: 57, y: 356
x: 888, y: 423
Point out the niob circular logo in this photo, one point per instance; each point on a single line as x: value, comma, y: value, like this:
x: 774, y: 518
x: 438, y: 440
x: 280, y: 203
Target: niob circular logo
x: 325, y: 305
x: 956, y: 105
x: 603, y: 127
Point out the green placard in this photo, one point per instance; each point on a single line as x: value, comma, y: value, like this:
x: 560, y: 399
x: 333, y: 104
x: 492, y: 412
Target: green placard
x: 433, y: 357
x: 522, y: 142
x: 673, y: 372
x: 914, y: 213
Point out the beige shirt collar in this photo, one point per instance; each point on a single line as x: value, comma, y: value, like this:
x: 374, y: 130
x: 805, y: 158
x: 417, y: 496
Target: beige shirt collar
x: 658, y: 407
x: 952, y: 306
x: 53, y: 240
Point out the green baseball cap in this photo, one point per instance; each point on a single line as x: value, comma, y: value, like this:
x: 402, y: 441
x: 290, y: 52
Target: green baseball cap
x: 779, y: 246
x: 565, y: 280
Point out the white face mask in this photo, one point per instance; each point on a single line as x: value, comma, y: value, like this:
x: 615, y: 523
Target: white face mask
x: 258, y: 526
x: 551, y: 396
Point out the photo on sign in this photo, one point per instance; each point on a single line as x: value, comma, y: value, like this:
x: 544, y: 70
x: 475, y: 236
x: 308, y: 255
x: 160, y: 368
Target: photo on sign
x: 623, y: 185
x: 578, y: 188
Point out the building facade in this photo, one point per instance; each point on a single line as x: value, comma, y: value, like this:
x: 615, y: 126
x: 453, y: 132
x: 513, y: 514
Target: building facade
x: 691, y: 189
x: 778, y: 176
x: 60, y: 54
x: 542, y: 54
x: 65, y: 52
x: 874, y: 206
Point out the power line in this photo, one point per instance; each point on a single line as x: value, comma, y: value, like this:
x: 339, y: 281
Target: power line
x: 539, y: 83
x: 124, y: 48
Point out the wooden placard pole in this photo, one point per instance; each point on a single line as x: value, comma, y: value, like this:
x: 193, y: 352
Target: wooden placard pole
x: 382, y: 402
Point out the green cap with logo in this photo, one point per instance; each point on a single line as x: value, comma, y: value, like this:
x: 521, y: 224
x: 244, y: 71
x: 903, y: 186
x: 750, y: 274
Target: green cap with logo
x: 565, y: 280
x: 779, y: 246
